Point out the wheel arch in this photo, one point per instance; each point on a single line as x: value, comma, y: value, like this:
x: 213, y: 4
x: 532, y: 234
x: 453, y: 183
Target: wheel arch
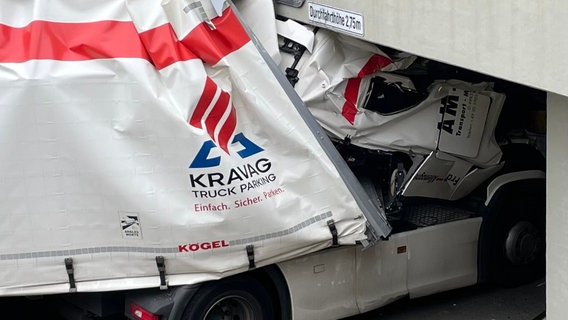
x: 499, y: 191
x: 274, y: 281
x: 270, y: 277
x: 510, y: 178
x: 171, y: 303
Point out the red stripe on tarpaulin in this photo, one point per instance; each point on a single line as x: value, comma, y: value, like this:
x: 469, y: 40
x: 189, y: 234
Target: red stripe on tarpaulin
x: 227, y: 130
x: 66, y: 41
x: 376, y: 63
x: 70, y: 41
x: 349, y: 109
x: 211, y: 45
x: 164, y: 47
x: 214, y: 117
x: 204, y: 101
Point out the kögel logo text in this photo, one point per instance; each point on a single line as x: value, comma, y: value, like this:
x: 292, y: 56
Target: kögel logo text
x: 191, y: 247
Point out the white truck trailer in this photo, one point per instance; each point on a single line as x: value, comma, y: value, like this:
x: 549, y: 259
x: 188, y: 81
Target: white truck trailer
x: 160, y: 161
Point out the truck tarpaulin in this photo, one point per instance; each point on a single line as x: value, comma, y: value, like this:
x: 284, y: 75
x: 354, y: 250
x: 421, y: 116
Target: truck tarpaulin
x: 137, y: 129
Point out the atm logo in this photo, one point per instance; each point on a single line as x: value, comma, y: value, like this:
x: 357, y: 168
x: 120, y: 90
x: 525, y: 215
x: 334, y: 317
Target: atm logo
x: 448, y: 110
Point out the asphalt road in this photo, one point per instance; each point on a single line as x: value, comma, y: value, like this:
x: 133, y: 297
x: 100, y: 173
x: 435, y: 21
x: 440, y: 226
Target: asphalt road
x: 526, y: 302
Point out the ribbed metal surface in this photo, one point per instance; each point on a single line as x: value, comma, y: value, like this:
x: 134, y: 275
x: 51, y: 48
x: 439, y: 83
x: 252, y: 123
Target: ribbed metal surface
x: 428, y: 215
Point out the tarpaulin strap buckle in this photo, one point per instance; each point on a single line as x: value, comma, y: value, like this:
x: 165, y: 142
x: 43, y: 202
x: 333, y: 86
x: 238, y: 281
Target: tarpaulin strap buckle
x: 161, y: 263
x: 333, y: 230
x: 250, y: 255
x: 71, y: 274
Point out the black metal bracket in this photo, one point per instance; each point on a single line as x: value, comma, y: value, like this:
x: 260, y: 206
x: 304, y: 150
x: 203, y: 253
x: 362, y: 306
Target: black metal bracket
x: 161, y: 263
x: 297, y: 50
x: 292, y: 75
x: 400, y: 175
x: 71, y: 274
x: 250, y: 255
x: 333, y: 230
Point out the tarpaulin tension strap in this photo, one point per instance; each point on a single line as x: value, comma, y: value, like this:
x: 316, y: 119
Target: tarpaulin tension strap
x: 71, y: 274
x: 333, y: 230
x: 250, y: 255
x: 160, y: 262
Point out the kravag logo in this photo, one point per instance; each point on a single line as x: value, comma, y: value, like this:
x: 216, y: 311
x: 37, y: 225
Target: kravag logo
x: 216, y: 115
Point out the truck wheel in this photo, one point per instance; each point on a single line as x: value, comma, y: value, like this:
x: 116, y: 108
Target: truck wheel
x: 240, y: 297
x: 512, y: 243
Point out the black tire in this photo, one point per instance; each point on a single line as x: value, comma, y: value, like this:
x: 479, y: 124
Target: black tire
x: 512, y: 242
x: 240, y: 297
